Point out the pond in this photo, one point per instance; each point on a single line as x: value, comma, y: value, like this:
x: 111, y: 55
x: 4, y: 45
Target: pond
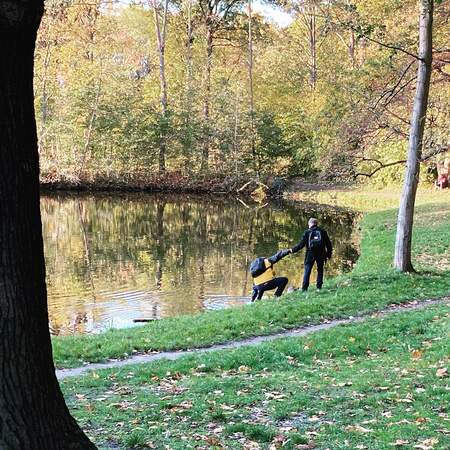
x: 111, y: 259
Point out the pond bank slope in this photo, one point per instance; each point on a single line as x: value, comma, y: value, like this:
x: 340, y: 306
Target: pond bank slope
x: 371, y: 286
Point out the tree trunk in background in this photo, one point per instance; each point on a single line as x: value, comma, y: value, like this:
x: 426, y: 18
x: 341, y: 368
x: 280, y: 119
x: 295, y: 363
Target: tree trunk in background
x: 308, y: 13
x: 187, y: 141
x: 161, y: 46
x: 33, y: 414
x: 207, y: 100
x: 313, y: 46
x: 250, y: 84
x: 402, y: 258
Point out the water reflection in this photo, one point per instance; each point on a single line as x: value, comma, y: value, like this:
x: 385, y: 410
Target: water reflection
x: 111, y: 259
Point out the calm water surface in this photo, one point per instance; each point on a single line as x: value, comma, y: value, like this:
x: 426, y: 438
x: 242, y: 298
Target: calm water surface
x: 111, y: 259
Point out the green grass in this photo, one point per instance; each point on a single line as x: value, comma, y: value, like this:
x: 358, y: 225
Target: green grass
x: 371, y: 286
x: 381, y: 384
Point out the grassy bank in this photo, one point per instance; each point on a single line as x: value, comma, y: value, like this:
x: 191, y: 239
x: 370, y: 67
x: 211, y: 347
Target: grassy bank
x: 378, y: 385
x: 371, y: 286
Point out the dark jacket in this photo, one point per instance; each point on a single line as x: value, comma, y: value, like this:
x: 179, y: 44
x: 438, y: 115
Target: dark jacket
x: 279, y: 255
x: 322, y: 253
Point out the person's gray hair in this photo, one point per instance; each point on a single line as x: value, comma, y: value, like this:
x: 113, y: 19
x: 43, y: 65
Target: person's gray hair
x: 312, y: 222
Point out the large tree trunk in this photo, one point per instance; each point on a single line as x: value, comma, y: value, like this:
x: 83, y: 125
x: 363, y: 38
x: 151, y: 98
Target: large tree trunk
x: 402, y: 258
x: 33, y: 414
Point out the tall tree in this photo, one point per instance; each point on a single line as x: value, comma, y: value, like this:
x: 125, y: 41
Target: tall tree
x: 215, y: 14
x: 160, y: 31
x: 402, y: 258
x: 250, y: 88
x: 33, y: 414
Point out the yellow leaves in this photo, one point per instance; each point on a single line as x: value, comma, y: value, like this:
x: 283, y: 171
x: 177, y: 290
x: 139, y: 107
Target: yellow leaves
x: 243, y: 369
x: 416, y: 354
x: 427, y: 444
x: 442, y: 373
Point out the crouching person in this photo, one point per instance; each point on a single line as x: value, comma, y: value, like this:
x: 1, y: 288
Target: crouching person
x: 264, y: 278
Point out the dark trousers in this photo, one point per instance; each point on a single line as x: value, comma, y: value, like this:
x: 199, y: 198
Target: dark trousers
x: 307, y: 273
x: 278, y: 283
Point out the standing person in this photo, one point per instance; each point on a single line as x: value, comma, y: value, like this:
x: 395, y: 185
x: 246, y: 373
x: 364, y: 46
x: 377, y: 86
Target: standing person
x: 264, y: 278
x: 318, y: 250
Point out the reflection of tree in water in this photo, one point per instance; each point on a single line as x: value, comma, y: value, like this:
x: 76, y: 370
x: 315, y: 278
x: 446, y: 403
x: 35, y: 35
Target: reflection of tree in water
x: 170, y: 251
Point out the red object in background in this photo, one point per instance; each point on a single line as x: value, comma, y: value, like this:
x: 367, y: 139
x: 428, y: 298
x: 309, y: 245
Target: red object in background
x: 442, y: 181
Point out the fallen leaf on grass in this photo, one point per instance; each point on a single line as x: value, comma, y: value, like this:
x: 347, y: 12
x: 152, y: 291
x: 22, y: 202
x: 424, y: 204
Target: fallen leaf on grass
x: 227, y: 408
x: 251, y: 445
x: 313, y: 419
x: 427, y: 444
x: 214, y: 441
x: 416, y: 354
x: 399, y: 443
x: 274, y: 395
x: 278, y: 442
x: 442, y: 373
x: 346, y: 383
x: 422, y: 420
x: 358, y: 429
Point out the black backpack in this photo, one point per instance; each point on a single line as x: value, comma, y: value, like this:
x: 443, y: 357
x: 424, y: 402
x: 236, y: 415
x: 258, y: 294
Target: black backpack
x: 315, y: 241
x: 257, y: 267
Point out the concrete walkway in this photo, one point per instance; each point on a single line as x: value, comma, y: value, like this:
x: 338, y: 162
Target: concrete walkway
x: 296, y: 332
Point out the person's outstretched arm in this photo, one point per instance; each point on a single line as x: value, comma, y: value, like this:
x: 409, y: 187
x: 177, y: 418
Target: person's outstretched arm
x: 279, y: 255
x: 301, y: 244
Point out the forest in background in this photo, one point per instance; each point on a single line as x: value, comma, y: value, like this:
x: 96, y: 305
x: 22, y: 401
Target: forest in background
x: 209, y: 89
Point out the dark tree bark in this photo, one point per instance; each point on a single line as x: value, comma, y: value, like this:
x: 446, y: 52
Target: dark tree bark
x: 33, y: 414
x: 402, y: 258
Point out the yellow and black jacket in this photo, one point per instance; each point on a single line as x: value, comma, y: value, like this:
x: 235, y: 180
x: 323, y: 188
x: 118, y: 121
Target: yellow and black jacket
x: 269, y: 272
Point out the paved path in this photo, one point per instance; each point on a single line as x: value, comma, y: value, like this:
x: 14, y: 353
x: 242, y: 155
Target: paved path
x: 296, y: 332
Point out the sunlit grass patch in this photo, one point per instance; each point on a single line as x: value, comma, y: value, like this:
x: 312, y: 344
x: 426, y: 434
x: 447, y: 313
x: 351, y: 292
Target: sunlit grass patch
x: 370, y: 384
